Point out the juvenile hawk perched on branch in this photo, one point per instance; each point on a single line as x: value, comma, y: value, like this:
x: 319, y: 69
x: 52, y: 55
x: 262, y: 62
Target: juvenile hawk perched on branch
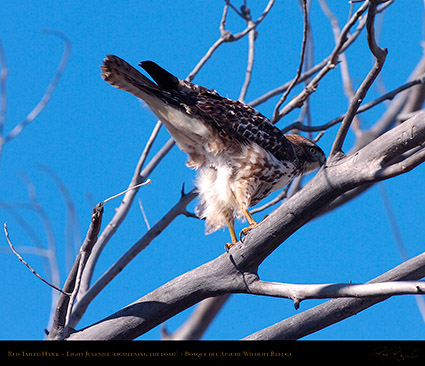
x: 240, y: 156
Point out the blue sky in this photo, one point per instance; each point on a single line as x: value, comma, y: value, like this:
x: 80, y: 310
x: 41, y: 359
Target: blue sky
x: 91, y: 136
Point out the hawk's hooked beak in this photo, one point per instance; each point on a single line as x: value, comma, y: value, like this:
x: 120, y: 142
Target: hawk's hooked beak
x: 323, y: 160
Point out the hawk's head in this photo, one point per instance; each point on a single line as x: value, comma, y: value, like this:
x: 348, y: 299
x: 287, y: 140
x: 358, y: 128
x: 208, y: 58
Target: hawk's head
x: 310, y: 156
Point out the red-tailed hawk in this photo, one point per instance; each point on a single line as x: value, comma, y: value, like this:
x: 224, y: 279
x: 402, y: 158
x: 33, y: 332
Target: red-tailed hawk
x: 240, y: 157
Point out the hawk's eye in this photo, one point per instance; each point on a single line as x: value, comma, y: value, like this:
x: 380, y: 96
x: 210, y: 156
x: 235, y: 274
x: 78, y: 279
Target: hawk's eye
x: 312, y: 150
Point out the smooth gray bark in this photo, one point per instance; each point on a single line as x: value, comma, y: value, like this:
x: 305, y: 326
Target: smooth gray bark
x: 395, y: 152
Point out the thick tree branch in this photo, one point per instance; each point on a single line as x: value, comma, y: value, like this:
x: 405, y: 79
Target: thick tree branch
x: 335, y: 310
x: 235, y: 271
x: 298, y: 293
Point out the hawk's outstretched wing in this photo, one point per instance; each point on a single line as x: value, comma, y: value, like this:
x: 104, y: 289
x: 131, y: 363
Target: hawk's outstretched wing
x: 230, y: 119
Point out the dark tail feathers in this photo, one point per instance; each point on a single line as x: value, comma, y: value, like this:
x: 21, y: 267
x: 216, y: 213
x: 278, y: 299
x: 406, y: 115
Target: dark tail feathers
x: 162, y: 77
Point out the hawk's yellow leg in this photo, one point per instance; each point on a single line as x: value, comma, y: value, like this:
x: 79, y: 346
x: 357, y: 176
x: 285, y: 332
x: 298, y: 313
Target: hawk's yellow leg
x: 231, y: 226
x: 251, y: 221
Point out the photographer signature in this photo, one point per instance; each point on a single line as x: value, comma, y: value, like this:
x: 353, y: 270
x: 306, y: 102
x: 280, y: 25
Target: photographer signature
x: 395, y: 353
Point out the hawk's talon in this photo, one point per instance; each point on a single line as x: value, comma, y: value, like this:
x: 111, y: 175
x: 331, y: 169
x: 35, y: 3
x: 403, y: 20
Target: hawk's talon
x: 253, y: 224
x: 227, y: 247
x: 246, y: 230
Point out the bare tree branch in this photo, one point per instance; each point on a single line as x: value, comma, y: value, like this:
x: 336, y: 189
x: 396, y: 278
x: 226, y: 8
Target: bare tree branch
x: 335, y: 310
x: 365, y: 107
x: 380, y: 55
x: 408, y: 163
x: 127, y: 190
x: 235, y: 271
x: 27, y: 265
x: 139, y: 176
x: 298, y: 293
x: 345, y: 74
x: 371, y: 160
x: 47, y: 95
x: 250, y: 64
x: 65, y: 303
x: 87, y: 296
x: 227, y: 36
x: 199, y: 320
x: 330, y: 63
x: 3, y: 89
x: 73, y: 236
x: 277, y: 115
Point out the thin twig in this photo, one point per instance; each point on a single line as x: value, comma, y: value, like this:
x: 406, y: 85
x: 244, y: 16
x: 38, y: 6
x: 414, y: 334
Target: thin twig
x: 48, y: 228
x: 380, y: 55
x: 248, y: 29
x: 126, y: 203
x: 49, y: 91
x: 345, y: 73
x: 227, y: 36
x: 145, y: 217
x: 305, y: 113
x: 324, y: 67
x: 28, y: 266
x: 82, y: 260
x: 281, y: 196
x: 407, y: 164
x: 86, y: 297
x: 73, y: 237
x: 209, y: 53
x: 48, y: 255
x: 3, y: 89
x: 276, y: 113
x: 250, y: 64
x: 128, y: 189
x: 388, y: 96
x: 392, y: 221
